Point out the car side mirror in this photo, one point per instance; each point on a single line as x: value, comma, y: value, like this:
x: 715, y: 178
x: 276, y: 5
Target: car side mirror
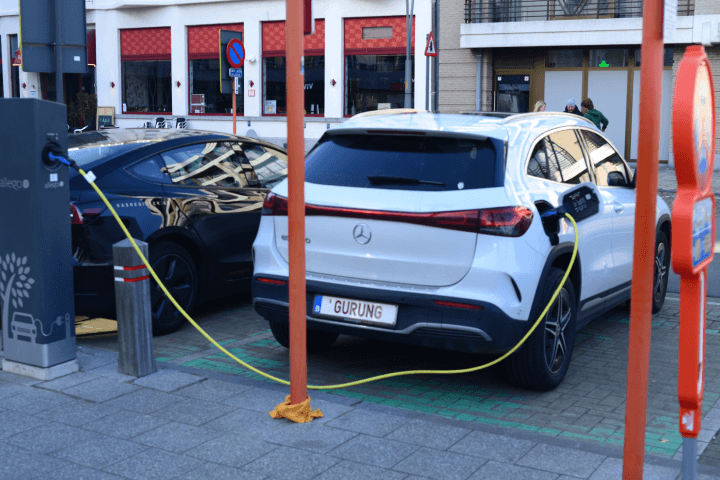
x: 616, y: 179
x: 633, y: 184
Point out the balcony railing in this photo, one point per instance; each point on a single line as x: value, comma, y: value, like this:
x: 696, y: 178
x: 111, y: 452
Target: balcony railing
x: 493, y: 11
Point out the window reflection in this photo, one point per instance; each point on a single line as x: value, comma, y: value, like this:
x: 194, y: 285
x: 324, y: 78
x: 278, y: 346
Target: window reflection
x: 610, y: 169
x: 225, y: 164
x: 559, y: 158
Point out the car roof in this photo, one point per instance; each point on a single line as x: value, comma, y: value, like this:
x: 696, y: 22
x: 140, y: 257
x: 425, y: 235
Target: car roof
x: 491, y: 124
x: 124, y: 136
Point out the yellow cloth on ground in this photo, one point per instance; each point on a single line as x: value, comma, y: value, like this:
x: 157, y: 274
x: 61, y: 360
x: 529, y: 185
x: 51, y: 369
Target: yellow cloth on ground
x: 298, y: 413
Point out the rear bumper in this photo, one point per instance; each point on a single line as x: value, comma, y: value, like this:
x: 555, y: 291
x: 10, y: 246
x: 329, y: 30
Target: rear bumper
x: 420, y: 321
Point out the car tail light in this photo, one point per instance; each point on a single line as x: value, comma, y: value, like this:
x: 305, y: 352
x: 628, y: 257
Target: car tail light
x: 469, y: 306
x: 275, y: 205
x: 505, y: 221
x: 272, y: 281
x: 75, y: 215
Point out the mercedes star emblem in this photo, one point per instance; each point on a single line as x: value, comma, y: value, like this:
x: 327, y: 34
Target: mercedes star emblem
x: 362, y: 233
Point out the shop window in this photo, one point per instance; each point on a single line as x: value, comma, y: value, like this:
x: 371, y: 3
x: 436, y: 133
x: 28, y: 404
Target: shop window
x: 667, y: 57
x: 375, y: 58
x: 274, y: 64
x: 564, y: 58
x: 609, y: 57
x: 147, y: 87
x: 146, y: 72
x: 375, y: 82
x: 204, y: 72
x: 274, y: 89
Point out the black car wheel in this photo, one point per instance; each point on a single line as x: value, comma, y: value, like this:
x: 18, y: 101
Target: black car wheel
x: 177, y: 271
x: 661, y: 271
x: 542, y: 361
x: 317, y: 340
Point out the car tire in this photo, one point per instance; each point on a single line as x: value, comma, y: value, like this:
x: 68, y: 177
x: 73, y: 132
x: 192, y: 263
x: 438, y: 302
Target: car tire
x: 176, y: 269
x: 661, y: 271
x: 317, y: 340
x: 539, y: 364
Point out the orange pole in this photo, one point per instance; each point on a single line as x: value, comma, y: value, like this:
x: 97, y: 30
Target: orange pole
x: 296, y: 198
x: 644, y: 246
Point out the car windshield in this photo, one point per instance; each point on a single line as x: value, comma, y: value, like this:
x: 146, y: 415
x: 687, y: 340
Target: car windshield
x: 412, y: 162
x: 87, y: 155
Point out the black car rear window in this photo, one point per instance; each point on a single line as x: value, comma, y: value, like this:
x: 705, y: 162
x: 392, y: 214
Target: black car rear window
x: 399, y: 162
x: 88, y: 155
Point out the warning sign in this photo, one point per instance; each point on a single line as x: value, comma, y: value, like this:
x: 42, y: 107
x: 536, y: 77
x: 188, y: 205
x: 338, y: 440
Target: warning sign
x: 430, y: 50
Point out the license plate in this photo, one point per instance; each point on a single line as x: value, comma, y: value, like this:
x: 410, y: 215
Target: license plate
x: 356, y: 310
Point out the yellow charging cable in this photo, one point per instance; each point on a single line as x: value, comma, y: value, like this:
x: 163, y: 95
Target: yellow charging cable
x: 90, y: 180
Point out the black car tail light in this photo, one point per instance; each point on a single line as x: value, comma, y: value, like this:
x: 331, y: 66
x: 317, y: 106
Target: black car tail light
x: 75, y: 215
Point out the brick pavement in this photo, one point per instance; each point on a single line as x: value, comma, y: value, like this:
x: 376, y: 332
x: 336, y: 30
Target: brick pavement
x: 589, y: 406
x: 188, y: 424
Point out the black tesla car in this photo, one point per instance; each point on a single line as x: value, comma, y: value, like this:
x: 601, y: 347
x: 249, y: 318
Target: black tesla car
x: 195, y: 197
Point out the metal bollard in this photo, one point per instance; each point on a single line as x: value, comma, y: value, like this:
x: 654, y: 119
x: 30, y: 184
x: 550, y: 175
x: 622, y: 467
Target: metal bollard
x: 132, y: 301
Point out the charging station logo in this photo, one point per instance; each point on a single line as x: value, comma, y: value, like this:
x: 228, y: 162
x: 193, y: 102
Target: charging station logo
x: 14, y: 184
x: 15, y: 284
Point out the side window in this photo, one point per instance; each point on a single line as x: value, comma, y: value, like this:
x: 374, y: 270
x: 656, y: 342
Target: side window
x: 150, y: 169
x: 212, y: 164
x: 269, y: 165
x: 559, y: 158
x: 610, y: 170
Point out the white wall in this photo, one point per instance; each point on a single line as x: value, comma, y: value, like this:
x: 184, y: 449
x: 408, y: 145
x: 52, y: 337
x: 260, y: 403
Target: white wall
x: 608, y: 91
x: 110, y: 16
x: 665, y: 119
x: 611, y: 31
x: 560, y: 86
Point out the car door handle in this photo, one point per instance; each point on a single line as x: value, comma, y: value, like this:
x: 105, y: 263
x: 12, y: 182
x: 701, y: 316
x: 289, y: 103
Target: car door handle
x: 618, y: 207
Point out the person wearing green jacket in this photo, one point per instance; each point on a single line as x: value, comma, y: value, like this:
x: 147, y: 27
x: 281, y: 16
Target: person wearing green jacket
x: 593, y: 115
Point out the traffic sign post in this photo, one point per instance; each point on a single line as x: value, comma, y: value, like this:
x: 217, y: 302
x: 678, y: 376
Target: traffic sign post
x: 232, y: 58
x: 693, y: 234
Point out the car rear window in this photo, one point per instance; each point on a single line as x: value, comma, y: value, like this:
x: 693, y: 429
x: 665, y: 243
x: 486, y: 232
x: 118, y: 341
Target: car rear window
x: 88, y: 155
x: 412, y: 162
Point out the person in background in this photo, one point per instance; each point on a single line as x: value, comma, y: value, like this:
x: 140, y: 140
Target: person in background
x: 539, y: 106
x: 593, y: 115
x: 572, y: 108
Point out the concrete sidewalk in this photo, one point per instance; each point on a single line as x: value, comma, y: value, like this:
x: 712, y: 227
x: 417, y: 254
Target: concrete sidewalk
x: 183, y: 423
x: 667, y: 180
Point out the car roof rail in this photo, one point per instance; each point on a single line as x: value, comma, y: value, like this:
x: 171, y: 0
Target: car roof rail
x: 489, y: 114
x: 525, y: 116
x: 389, y: 111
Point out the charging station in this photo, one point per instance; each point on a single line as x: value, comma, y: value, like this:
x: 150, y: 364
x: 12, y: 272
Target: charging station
x: 36, y: 287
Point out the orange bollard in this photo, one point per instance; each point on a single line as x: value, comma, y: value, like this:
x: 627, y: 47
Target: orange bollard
x: 644, y: 241
x: 294, y: 41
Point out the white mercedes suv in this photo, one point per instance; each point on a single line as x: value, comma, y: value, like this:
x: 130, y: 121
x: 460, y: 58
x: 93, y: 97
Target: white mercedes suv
x: 426, y: 228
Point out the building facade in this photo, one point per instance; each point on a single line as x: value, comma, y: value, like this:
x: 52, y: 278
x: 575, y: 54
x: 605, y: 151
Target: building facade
x: 504, y: 55
x: 149, y: 59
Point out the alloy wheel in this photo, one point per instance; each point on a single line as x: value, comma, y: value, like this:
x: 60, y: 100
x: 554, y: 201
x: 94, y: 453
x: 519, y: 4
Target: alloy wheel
x: 556, y: 321
x: 177, y: 276
x: 660, y: 272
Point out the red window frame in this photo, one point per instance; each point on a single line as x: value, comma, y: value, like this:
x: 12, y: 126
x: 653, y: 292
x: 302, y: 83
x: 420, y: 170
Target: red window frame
x: 354, y: 44
x: 273, y: 45
x: 139, y: 44
x: 200, y: 48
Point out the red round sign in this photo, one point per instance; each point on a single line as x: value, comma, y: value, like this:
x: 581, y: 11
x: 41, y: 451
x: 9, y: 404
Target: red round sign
x: 694, y: 120
x: 235, y: 53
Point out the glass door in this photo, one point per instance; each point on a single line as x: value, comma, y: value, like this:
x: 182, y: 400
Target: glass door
x: 512, y: 93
